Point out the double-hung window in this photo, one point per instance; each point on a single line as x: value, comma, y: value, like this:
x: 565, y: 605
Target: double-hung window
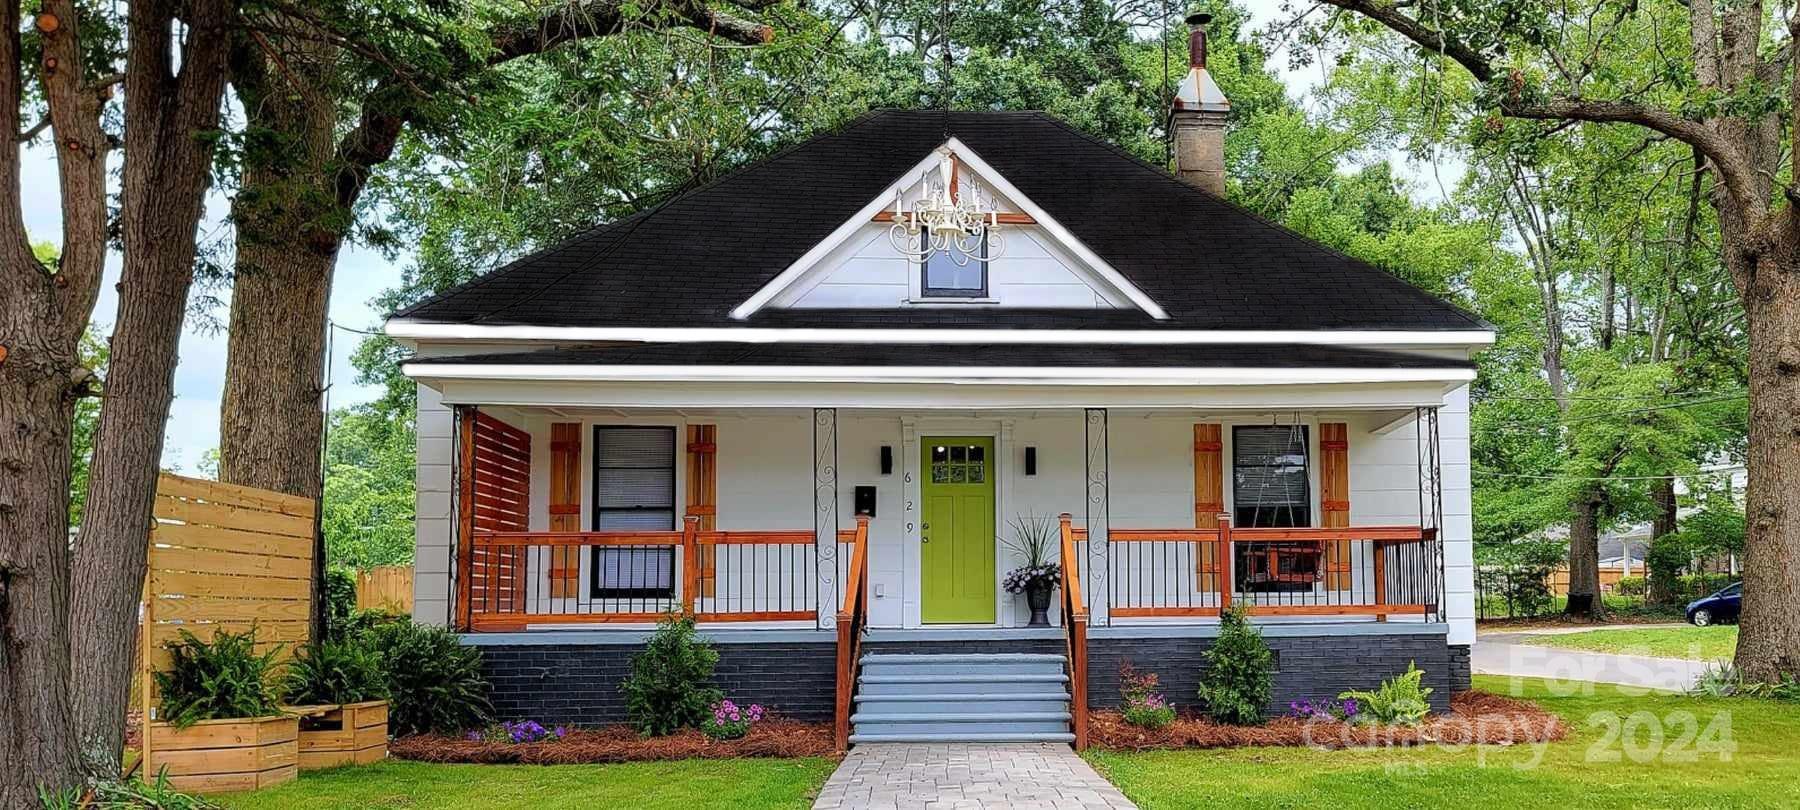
x: 634, y: 490
x: 1269, y: 477
x: 943, y: 276
x: 1270, y: 488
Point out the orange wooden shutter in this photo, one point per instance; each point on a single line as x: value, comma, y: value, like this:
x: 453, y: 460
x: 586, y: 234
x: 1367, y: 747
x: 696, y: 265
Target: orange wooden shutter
x: 565, y: 507
x: 703, y: 495
x: 1334, y: 498
x: 1209, y: 501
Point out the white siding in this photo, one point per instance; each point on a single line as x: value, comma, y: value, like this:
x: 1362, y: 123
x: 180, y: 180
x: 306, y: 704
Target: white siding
x: 869, y: 273
x: 433, y: 507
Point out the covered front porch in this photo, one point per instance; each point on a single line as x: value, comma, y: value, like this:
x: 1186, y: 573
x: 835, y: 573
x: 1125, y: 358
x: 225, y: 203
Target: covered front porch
x: 573, y: 517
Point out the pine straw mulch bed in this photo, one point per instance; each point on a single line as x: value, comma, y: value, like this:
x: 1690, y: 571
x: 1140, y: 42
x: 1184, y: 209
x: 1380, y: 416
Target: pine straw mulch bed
x: 769, y: 738
x: 1476, y: 717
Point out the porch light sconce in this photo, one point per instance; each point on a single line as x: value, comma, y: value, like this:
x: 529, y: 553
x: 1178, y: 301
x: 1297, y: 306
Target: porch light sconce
x: 1031, y: 461
x: 887, y: 459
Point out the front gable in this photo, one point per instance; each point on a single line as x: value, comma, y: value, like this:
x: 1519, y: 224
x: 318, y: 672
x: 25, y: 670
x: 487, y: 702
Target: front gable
x: 1042, y: 266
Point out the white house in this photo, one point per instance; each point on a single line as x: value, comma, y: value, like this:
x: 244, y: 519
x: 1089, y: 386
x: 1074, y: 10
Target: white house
x: 690, y: 408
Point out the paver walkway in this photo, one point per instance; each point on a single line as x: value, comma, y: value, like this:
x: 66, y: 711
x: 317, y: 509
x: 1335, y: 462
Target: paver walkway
x: 891, y: 776
x: 1502, y: 654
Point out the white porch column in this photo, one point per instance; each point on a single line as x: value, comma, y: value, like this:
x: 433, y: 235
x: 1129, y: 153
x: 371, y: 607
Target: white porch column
x: 825, y: 506
x: 1096, y: 589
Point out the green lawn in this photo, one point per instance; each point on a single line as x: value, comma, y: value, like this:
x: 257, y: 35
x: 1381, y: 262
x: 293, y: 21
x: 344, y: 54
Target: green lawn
x: 683, y: 784
x: 1696, y: 643
x: 1670, y: 758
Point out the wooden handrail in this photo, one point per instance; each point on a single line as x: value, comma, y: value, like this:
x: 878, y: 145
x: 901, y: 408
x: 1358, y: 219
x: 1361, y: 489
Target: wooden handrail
x: 1075, y: 618
x: 652, y: 538
x: 852, y: 612
x: 1386, y: 534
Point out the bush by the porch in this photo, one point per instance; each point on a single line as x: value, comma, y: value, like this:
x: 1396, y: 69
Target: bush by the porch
x: 434, y: 681
x: 1240, y: 673
x: 670, y: 684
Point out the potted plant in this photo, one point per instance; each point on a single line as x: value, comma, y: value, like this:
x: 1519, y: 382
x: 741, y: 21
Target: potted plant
x: 1034, y: 541
x: 216, y: 727
x: 339, y: 690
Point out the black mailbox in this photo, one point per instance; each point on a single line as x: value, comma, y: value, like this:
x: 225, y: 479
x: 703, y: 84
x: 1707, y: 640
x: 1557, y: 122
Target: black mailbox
x: 865, y: 501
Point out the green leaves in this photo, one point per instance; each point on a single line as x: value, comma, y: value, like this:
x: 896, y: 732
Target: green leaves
x: 1403, y: 700
x: 434, y: 681
x: 670, y: 684
x: 218, y: 680
x: 1240, y: 672
x: 334, y: 673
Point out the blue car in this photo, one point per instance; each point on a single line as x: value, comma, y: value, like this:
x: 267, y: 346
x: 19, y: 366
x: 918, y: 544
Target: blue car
x: 1720, y: 607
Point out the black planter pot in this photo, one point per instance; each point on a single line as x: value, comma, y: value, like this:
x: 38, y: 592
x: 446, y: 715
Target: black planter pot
x: 1037, y: 597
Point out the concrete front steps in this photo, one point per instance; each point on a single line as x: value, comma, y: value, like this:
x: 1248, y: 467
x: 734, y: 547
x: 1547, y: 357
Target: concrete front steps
x: 964, y: 697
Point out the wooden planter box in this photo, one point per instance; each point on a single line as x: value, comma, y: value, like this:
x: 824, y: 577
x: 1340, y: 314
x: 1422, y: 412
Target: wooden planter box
x: 217, y: 756
x: 351, y: 734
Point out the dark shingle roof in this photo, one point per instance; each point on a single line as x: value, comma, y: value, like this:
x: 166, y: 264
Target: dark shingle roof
x: 963, y: 354
x: 1209, y: 264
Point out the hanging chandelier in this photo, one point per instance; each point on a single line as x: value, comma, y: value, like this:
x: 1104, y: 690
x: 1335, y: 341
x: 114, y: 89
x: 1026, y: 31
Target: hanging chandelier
x: 965, y: 228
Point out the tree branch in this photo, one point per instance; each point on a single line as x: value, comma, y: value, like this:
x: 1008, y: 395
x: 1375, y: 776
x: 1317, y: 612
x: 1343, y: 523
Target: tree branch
x: 598, y: 18
x: 1734, y: 171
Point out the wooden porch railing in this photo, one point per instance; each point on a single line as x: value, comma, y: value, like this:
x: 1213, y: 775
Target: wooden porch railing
x: 1376, y: 571
x: 852, y: 616
x: 759, y: 576
x: 1075, y: 621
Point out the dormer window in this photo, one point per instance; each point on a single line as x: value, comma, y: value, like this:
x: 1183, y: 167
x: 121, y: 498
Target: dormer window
x: 944, y: 277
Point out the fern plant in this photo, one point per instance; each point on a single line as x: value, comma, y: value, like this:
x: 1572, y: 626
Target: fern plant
x: 216, y: 680
x: 1240, y: 672
x: 334, y: 673
x: 1404, y: 700
x: 670, y: 684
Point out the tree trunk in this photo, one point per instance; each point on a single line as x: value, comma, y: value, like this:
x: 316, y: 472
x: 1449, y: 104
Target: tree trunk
x: 1769, y: 640
x: 1660, y: 574
x: 289, y: 226
x: 35, y: 411
x: 274, y: 372
x: 1584, y: 557
x: 167, y: 169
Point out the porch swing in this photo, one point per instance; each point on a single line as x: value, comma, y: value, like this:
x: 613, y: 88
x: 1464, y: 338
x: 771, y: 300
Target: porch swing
x: 1279, y: 500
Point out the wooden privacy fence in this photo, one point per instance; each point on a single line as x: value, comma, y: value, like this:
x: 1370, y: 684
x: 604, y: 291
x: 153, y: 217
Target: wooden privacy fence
x: 388, y: 587
x: 222, y: 557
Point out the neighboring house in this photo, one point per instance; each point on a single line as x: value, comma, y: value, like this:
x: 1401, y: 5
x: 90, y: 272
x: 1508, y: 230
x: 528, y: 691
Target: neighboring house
x: 689, y: 408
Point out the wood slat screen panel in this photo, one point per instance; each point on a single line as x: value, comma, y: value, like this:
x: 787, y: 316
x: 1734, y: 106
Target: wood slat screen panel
x: 224, y: 557
x: 502, y: 490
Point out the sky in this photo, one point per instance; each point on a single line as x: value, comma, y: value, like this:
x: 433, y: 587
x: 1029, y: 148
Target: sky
x: 193, y: 426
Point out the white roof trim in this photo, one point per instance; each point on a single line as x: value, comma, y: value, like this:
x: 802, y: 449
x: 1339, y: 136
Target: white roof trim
x: 994, y: 375
x: 1061, y: 235
x: 403, y: 328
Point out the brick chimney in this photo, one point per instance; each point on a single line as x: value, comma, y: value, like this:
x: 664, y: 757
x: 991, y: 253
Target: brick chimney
x: 1197, y: 117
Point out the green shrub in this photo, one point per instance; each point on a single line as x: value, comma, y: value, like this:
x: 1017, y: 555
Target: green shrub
x: 340, y: 600
x: 216, y: 680
x: 1404, y: 700
x: 362, y: 621
x: 334, y: 673
x: 1239, y: 673
x: 1698, y: 585
x: 670, y: 684
x: 1631, y: 586
x: 434, y: 681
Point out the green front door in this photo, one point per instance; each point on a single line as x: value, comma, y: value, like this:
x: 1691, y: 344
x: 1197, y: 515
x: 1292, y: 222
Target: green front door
x: 957, y: 533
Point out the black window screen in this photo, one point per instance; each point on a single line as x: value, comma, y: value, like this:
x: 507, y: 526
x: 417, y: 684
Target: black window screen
x: 1269, y: 478
x: 634, y: 490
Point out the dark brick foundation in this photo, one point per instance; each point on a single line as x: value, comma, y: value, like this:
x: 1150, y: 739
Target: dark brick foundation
x: 579, y: 683
x: 1308, y: 666
x: 1461, y: 675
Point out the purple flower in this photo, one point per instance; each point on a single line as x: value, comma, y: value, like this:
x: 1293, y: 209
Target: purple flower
x: 1350, y: 708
